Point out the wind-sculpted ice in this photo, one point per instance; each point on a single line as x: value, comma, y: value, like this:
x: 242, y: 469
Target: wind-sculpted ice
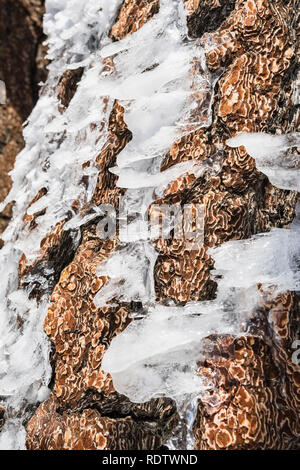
x: 272, y: 156
x: 55, y: 151
x: 157, y: 354
x: 56, y: 147
x: 161, y: 80
x: 58, y: 144
x: 274, y: 257
x: 133, y: 178
x: 271, y: 259
x: 75, y: 30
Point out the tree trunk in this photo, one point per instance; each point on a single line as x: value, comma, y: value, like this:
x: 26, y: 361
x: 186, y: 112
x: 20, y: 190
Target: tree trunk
x: 254, y: 401
x: 23, y: 67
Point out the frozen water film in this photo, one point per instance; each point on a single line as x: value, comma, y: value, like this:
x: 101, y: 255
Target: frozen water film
x: 161, y: 80
x: 56, y: 147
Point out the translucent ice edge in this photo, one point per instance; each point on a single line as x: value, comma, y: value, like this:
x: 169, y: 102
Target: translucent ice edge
x: 157, y: 354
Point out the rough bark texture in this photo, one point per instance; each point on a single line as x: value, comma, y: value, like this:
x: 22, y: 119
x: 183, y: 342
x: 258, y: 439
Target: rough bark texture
x: 256, y: 401
x: 256, y: 405
x: 22, y: 68
x: 1, y: 417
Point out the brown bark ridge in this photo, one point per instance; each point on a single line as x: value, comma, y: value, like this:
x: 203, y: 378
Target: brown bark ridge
x: 255, y: 402
x: 22, y: 68
x: 1, y: 417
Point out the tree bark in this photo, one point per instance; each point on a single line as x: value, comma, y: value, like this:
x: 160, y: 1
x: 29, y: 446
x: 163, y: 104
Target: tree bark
x: 23, y: 68
x: 255, y: 404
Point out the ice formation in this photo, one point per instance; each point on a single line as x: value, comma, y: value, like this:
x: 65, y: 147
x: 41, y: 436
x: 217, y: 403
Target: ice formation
x: 160, y: 78
x: 162, y: 100
x: 58, y: 144
x: 56, y: 148
x: 272, y: 156
x: 157, y: 354
x: 2, y: 92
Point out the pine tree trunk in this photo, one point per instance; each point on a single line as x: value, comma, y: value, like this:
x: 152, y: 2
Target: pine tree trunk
x: 255, y: 402
x: 23, y: 67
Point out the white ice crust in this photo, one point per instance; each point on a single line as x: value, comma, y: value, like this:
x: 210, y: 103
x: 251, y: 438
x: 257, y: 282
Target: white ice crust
x: 151, y: 77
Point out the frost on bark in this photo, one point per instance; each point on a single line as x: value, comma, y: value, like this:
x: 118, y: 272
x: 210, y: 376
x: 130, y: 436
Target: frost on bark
x: 22, y: 68
x: 254, y: 401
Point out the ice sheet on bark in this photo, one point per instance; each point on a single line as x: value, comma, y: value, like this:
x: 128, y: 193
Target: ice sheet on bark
x: 272, y: 156
x: 161, y: 80
x: 58, y: 144
x: 56, y: 147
